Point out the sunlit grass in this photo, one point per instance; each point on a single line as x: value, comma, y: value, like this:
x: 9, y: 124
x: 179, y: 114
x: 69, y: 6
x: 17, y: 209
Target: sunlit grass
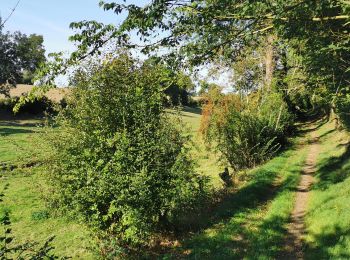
x: 17, y: 144
x: 206, y: 160
x: 251, y: 222
x: 21, y: 146
x: 328, y: 218
x: 31, y: 220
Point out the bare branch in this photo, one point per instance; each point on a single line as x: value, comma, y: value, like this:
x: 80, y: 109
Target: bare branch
x: 9, y: 16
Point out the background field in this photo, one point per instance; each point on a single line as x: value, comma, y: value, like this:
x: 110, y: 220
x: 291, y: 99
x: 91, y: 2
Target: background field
x: 55, y: 94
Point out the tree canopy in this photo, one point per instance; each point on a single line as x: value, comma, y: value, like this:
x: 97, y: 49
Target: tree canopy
x: 221, y: 31
x: 20, y: 56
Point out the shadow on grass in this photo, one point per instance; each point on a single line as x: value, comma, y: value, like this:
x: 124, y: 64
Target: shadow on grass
x: 334, y: 170
x: 237, y: 241
x: 6, y: 131
x: 327, y: 133
x: 22, y: 123
x: 329, y: 239
x: 194, y: 110
x: 231, y: 237
x: 320, y: 122
x: 226, y: 203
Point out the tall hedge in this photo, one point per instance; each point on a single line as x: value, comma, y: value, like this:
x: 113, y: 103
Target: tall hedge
x: 245, y: 133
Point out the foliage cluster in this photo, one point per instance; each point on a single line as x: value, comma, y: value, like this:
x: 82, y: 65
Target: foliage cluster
x: 220, y: 31
x: 180, y: 84
x: 342, y: 103
x: 119, y: 160
x: 320, y: 43
x: 20, y: 56
x: 245, y: 134
x: 36, y: 106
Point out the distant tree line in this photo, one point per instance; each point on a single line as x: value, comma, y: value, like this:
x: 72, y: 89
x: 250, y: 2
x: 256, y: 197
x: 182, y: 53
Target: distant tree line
x: 20, y: 56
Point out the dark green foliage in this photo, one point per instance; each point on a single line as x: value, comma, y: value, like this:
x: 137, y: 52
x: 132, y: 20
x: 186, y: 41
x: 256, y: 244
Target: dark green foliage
x: 319, y: 34
x: 178, y: 86
x: 246, y: 135
x: 37, y: 106
x: 31, y: 52
x: 343, y: 109
x: 40, y: 215
x: 226, y: 177
x: 20, y: 56
x: 119, y: 160
x: 176, y: 96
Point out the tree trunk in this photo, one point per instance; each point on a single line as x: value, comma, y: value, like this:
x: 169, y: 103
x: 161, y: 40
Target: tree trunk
x: 269, y: 62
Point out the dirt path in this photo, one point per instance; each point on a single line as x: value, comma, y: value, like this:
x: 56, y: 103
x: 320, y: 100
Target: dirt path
x: 296, y: 228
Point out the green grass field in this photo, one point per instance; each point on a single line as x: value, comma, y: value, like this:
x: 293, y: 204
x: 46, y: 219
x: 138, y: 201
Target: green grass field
x: 207, y: 161
x: 249, y: 222
x: 20, y: 148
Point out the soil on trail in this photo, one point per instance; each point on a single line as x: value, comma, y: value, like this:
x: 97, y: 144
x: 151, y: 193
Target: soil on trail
x: 296, y: 227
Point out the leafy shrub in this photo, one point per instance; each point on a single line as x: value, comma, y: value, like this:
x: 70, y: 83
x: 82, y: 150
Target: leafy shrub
x: 274, y: 113
x: 119, y: 160
x: 245, y: 134
x: 343, y: 109
x: 40, y: 215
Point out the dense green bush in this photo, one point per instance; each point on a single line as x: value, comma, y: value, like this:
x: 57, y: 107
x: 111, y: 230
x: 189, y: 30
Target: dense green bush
x: 343, y: 110
x: 119, y: 160
x: 274, y: 113
x: 245, y: 134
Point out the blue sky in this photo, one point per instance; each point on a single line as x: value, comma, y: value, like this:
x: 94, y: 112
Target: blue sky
x: 51, y: 18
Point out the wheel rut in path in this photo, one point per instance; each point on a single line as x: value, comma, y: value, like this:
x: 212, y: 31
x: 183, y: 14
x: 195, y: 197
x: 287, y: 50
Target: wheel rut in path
x: 296, y: 227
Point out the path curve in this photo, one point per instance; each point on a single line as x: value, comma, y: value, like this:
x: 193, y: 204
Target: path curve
x: 296, y: 227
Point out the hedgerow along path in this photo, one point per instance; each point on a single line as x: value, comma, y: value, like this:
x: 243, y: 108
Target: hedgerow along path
x: 252, y: 222
x: 254, y: 219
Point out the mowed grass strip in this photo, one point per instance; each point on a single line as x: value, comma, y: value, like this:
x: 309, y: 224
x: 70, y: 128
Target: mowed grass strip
x: 328, y: 216
x: 17, y: 142
x: 20, y: 145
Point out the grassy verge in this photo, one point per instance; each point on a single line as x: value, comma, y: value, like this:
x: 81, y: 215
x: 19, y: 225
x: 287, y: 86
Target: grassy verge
x: 328, y: 217
x: 251, y: 222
